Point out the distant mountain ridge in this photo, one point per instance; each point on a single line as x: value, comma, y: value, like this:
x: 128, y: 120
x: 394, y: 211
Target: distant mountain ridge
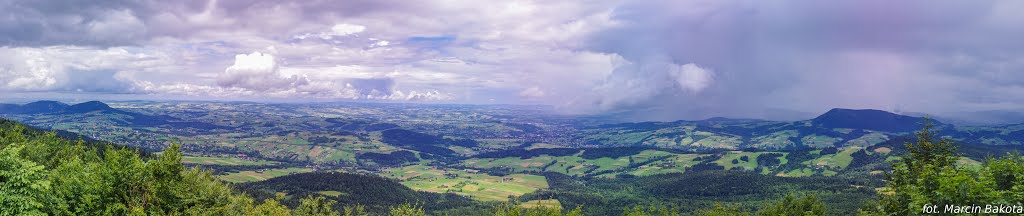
x: 37, y: 107
x: 44, y: 107
x: 90, y: 106
x: 869, y: 119
x: 864, y: 119
x: 835, y: 128
x: 97, y: 107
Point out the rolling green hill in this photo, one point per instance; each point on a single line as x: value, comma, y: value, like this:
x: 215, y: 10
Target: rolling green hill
x: 836, y: 128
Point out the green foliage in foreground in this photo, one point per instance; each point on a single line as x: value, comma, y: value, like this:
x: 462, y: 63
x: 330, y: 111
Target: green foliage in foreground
x: 792, y: 205
x: 41, y: 173
x: 930, y: 175
x: 316, y: 206
x: 807, y: 205
x: 721, y: 210
x: 511, y: 209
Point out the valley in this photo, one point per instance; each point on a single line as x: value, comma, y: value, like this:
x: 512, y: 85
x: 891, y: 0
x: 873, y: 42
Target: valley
x: 529, y: 154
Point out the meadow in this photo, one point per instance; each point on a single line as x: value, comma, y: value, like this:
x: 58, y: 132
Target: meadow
x: 224, y: 160
x: 260, y: 175
x: 473, y: 184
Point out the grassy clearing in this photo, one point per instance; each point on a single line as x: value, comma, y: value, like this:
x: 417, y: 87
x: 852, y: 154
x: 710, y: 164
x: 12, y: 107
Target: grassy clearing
x: 478, y: 186
x: 258, y: 175
x: 883, y: 150
x: 868, y: 140
x: 619, y: 137
x: 297, y: 147
x: 836, y: 161
x: 298, y: 141
x: 718, y: 142
x: 223, y: 160
x: 498, y: 143
x: 968, y: 162
x: 542, y: 145
x: 777, y: 139
x: 798, y: 173
x: 331, y: 193
x: 675, y: 164
x: 548, y: 203
x: 578, y: 166
x: 817, y: 141
x: 749, y: 164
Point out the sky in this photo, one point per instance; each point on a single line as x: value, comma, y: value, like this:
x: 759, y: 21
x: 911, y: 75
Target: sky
x: 642, y: 59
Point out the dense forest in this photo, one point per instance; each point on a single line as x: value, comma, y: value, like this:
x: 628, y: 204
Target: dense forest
x: 374, y: 192
x: 42, y: 173
x: 689, y: 193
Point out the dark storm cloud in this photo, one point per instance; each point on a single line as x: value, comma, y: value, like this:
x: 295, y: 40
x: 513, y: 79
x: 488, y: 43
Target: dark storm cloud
x: 32, y: 23
x: 125, y: 22
x: 98, y: 82
x: 812, y: 55
x: 373, y: 86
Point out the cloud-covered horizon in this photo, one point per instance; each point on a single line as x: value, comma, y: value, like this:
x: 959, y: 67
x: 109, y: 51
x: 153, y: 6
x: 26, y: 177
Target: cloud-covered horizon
x: 647, y: 60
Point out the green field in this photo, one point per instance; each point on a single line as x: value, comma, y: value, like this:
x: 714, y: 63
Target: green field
x: 297, y: 147
x: 478, y: 186
x: 260, y: 175
x: 836, y: 161
x: 549, y: 203
x: 798, y: 173
x: 749, y: 164
x: 543, y: 145
x: 675, y: 164
x: 331, y: 193
x: 969, y: 162
x: 570, y: 165
x: 817, y: 141
x: 577, y: 166
x: 223, y: 160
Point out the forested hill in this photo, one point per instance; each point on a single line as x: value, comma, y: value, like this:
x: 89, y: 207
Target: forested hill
x: 42, y: 107
x: 875, y: 120
x: 44, y: 174
x: 376, y: 194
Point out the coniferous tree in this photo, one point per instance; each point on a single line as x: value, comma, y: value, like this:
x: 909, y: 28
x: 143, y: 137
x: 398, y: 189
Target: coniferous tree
x: 929, y: 174
x: 314, y: 206
x: 808, y: 205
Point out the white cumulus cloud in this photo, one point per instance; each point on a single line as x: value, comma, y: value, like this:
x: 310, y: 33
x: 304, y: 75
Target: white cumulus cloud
x: 338, y: 30
x: 691, y: 77
x: 347, y: 29
x: 532, y: 92
x: 73, y: 68
x: 258, y: 71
